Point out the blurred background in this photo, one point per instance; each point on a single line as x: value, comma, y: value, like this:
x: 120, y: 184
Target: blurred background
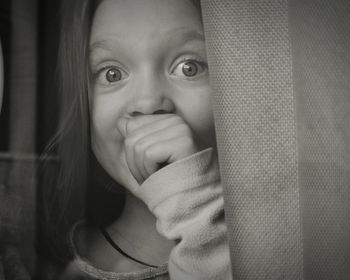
x: 29, y: 32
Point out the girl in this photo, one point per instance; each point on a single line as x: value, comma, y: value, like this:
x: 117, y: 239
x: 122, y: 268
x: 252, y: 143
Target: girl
x: 136, y: 102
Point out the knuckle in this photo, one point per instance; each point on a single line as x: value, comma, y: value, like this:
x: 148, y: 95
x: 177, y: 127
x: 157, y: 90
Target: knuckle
x: 184, y: 129
x: 150, y: 154
x: 187, y: 141
x: 139, y: 147
x: 129, y: 142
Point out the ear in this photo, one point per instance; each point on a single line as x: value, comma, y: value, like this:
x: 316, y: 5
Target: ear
x: 1, y: 76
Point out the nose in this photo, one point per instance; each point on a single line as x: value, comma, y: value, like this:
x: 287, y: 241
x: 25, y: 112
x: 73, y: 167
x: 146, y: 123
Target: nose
x: 151, y: 96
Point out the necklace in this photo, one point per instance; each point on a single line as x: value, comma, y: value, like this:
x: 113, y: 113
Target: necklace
x: 115, y: 246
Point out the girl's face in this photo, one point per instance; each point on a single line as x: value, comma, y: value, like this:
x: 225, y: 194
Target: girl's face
x: 147, y: 57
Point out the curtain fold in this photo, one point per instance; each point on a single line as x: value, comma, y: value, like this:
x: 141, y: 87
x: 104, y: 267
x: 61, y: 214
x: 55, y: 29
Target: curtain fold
x: 320, y: 32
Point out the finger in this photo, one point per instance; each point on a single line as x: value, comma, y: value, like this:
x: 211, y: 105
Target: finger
x: 130, y: 160
x: 136, y: 147
x: 155, y: 130
x: 139, y: 149
x: 155, y: 126
x: 167, y: 133
x: 134, y: 170
x: 137, y: 142
x: 122, y: 126
x: 137, y: 122
x: 158, y: 128
x: 166, y: 152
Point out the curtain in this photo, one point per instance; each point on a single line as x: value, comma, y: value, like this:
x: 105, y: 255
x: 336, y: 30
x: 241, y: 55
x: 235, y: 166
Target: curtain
x: 280, y: 72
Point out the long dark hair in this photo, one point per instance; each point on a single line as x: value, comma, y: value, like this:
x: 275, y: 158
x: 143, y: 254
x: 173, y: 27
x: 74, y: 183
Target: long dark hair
x: 73, y: 185
x: 71, y: 181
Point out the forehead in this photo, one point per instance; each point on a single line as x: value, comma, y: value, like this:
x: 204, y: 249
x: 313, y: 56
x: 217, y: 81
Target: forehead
x: 144, y: 19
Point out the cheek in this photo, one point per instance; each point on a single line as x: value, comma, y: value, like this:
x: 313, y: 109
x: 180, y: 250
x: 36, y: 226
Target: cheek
x: 104, y: 116
x: 198, y: 113
x: 101, y: 124
x: 201, y: 117
x: 105, y: 138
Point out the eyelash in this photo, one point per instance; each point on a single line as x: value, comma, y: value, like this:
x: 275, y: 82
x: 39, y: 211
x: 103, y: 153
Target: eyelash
x: 201, y: 63
x: 100, y: 70
x: 192, y: 59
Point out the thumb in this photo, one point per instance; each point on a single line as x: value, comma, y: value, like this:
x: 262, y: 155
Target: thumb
x: 122, y: 126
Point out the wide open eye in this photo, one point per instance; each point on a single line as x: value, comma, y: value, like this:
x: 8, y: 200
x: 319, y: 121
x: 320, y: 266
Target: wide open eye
x: 113, y: 75
x: 109, y: 75
x: 189, y: 69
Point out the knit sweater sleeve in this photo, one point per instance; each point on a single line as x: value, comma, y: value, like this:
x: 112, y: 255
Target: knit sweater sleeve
x: 186, y: 199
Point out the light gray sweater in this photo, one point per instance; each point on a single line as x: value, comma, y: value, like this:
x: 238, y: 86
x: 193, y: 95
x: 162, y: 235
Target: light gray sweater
x: 186, y: 198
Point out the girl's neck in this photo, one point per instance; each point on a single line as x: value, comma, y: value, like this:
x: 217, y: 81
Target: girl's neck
x: 135, y: 232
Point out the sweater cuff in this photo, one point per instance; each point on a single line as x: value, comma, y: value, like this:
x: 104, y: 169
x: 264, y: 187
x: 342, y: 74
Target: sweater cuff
x: 196, y: 170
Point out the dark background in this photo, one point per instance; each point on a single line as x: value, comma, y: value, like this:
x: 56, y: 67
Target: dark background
x: 29, y: 35
x: 29, y: 31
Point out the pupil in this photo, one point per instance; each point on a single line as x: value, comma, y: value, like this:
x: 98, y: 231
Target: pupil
x: 113, y: 75
x: 189, y: 69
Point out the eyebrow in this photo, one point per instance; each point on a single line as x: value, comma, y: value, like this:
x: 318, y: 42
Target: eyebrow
x: 186, y: 35
x: 181, y: 35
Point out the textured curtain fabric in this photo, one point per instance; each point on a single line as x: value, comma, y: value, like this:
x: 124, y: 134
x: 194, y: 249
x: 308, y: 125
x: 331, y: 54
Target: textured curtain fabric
x: 280, y: 72
x: 251, y: 74
x: 320, y: 33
